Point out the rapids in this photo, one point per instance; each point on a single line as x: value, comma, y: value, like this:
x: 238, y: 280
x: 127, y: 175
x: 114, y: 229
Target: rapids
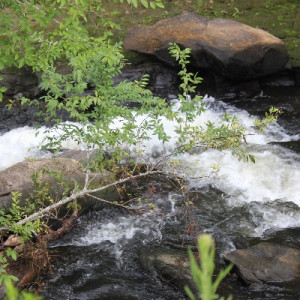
x: 244, y: 202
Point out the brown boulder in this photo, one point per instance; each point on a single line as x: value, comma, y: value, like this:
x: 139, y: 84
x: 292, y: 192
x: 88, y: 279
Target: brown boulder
x: 232, y: 49
x: 266, y: 262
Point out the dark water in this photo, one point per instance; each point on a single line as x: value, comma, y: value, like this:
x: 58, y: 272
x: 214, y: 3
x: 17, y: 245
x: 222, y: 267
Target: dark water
x: 101, y: 257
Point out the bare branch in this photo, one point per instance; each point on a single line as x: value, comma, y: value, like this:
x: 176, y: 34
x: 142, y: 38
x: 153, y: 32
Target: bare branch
x: 84, y: 192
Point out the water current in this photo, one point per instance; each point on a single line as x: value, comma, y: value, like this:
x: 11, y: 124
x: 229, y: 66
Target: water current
x: 243, y: 203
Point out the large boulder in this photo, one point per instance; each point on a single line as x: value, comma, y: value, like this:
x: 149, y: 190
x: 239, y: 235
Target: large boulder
x: 266, y: 262
x: 26, y: 177
x: 232, y: 49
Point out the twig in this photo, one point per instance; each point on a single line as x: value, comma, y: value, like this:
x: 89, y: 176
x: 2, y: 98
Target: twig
x: 109, y: 202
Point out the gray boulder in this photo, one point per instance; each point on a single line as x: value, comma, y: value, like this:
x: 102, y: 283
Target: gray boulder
x: 19, y: 178
x: 234, y: 50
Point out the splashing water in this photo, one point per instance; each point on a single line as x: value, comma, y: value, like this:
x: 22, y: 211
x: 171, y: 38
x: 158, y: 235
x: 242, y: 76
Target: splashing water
x: 274, y: 177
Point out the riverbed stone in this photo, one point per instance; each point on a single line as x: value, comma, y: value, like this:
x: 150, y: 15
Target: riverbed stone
x: 266, y: 262
x: 234, y: 50
x: 19, y: 178
x: 171, y: 264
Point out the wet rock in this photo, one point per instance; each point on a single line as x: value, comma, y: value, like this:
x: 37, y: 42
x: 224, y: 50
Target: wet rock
x: 279, y: 80
x: 20, y: 82
x: 26, y: 115
x: 232, y: 49
x: 289, y: 237
x: 240, y: 243
x: 297, y: 75
x: 266, y: 262
x: 229, y: 89
x: 292, y: 145
x: 12, y: 241
x: 163, y: 80
x: 19, y: 178
x: 171, y: 265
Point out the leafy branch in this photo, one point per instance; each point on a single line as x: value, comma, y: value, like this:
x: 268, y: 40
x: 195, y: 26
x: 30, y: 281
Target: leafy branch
x: 270, y: 117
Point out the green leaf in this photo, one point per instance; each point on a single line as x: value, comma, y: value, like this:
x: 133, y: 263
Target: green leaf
x: 152, y: 5
x: 189, y: 293
x: 12, y: 253
x: 252, y: 158
x: 159, y: 4
x: 145, y: 3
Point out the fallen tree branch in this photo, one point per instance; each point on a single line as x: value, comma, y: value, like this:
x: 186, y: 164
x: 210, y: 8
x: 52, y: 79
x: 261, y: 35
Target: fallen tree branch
x: 76, y: 195
x: 88, y: 192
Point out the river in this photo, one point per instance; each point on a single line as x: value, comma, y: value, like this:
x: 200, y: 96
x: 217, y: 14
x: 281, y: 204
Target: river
x: 243, y: 203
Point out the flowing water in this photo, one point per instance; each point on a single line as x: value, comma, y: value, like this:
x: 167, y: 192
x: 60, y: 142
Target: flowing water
x: 242, y: 203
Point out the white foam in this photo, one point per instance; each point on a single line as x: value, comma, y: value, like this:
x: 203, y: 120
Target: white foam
x: 18, y: 144
x: 119, y: 230
x: 26, y: 142
x: 272, y: 177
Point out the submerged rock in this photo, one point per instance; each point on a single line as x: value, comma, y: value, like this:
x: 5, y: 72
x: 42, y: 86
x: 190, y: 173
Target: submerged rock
x: 266, y: 262
x: 232, y: 49
x: 171, y: 265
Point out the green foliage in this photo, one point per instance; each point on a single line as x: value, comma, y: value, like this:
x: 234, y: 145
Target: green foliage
x: 12, y: 293
x: 230, y: 134
x: 2, y: 89
x: 24, y: 232
x: 203, y: 273
x: 190, y: 103
x: 4, y: 262
x: 38, y: 199
x: 43, y: 35
x: 270, y: 117
x: 145, y: 3
x: 92, y: 62
x: 189, y: 80
x: 236, y: 13
x: 57, y: 31
x: 16, y: 213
